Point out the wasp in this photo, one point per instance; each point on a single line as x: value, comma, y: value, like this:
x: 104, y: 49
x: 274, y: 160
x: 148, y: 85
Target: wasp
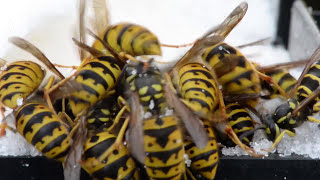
x: 204, y: 162
x: 154, y: 136
x: 234, y: 72
x: 129, y: 38
x: 240, y: 121
x: 299, y: 107
x: 197, y: 82
x: 117, y: 162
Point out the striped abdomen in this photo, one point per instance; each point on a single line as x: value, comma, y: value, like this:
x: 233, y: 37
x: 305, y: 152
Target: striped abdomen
x: 242, y: 79
x: 309, y: 83
x: 132, y: 39
x: 283, y: 78
x: 118, y: 164
x: 163, y: 145
x: 240, y: 121
x: 97, y: 77
x: 43, y: 129
x: 18, y: 81
x: 198, y: 88
x: 102, y: 114
x: 204, y: 162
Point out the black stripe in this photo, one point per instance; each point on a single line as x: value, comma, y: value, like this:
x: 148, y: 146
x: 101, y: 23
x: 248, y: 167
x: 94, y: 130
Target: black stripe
x: 238, y: 115
x: 167, y: 178
x: 36, y: 119
x: 204, y: 104
x: 7, y: 75
x: 196, y: 72
x: 55, y: 143
x: 242, y: 124
x: 88, y: 74
x: 164, y: 155
x: 9, y: 96
x: 203, y: 91
x: 314, y: 71
x: 208, y: 168
x: 165, y: 169
x: 234, y: 107
x: 310, y: 83
x: 111, y: 170
x: 203, y: 156
x: 98, y: 149
x: 226, y: 49
x: 284, y: 78
x: 245, y: 75
x: 209, y: 85
x: 161, y: 135
x: 77, y: 100
x: 142, y: 31
x: 105, y: 70
x: 189, y: 146
x: 26, y: 110
x: 123, y: 30
x: 46, y: 130
x: 113, y: 62
x: 22, y: 67
x: 12, y: 83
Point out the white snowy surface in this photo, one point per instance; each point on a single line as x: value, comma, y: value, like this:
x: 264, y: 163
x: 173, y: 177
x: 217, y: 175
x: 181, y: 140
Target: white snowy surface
x: 50, y: 25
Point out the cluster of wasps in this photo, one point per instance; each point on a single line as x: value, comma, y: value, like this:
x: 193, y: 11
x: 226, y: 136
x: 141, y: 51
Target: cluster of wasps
x: 120, y: 118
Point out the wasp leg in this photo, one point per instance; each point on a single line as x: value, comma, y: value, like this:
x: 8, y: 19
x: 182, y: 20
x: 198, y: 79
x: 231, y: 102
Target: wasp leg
x: 270, y: 80
x: 177, y: 46
x: 118, y: 141
x: 232, y: 135
x: 64, y: 66
x: 117, y: 119
x: 3, y: 127
x: 291, y: 133
x: 313, y: 119
x: 46, y: 94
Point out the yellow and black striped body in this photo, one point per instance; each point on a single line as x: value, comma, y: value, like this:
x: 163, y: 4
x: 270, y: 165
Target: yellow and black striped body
x: 282, y: 115
x: 164, y: 148
x: 130, y: 38
x: 148, y: 83
x: 197, y: 86
x: 242, y: 79
x: 204, y: 162
x: 101, y: 116
x: 309, y: 83
x: 285, y: 80
x: 240, y: 121
x: 18, y: 81
x: 272, y: 130
x: 117, y: 165
x: 97, y: 77
x: 43, y: 129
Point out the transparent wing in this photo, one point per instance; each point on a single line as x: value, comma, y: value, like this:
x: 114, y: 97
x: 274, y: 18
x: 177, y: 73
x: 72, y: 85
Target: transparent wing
x: 135, y: 131
x: 27, y: 46
x: 191, y: 121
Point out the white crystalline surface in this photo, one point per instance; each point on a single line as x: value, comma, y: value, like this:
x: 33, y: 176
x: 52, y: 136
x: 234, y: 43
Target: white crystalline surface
x: 50, y: 25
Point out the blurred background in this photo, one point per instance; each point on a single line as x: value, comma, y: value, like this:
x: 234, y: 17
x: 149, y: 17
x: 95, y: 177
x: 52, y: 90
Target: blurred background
x: 50, y: 25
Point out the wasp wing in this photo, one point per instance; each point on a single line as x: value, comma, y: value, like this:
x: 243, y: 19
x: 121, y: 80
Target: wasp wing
x: 216, y: 35
x: 72, y: 166
x: 27, y: 46
x: 135, y: 131
x: 191, y: 121
x: 101, y: 20
x: 315, y: 57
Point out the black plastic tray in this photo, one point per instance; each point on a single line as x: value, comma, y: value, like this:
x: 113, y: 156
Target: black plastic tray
x: 229, y: 168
